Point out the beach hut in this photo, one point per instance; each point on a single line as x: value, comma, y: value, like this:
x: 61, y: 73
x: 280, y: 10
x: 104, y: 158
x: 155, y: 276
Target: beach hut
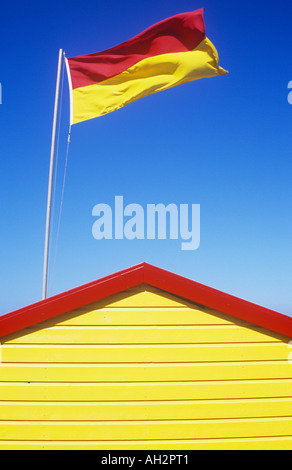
x: 145, y: 359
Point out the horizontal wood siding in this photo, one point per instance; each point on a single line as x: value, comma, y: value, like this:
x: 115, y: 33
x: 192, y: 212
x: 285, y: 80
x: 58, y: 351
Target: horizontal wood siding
x: 145, y: 370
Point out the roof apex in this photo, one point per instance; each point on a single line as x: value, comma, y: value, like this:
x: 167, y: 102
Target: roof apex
x: 155, y: 277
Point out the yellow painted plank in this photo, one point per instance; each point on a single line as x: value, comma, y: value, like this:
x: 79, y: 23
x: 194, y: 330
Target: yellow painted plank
x: 169, y: 429
x: 14, y: 353
x: 142, y: 335
x: 143, y: 316
x: 146, y: 390
x: 268, y: 443
x: 148, y: 298
x: 99, y: 411
x: 145, y: 372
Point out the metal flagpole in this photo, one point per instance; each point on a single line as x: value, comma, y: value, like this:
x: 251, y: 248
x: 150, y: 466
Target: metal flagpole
x: 51, y: 172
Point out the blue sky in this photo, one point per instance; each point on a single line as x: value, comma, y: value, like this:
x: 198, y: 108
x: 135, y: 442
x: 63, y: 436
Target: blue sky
x: 224, y: 143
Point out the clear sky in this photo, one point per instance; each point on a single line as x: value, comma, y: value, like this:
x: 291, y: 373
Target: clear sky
x: 224, y: 143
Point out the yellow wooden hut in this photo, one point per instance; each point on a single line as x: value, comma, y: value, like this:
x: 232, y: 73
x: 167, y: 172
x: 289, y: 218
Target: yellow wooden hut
x: 145, y: 359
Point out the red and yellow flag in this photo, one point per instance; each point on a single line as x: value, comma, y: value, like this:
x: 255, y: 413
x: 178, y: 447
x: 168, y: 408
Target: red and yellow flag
x: 169, y: 53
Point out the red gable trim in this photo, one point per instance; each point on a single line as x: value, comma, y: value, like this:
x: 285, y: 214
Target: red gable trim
x: 155, y: 277
x: 217, y: 300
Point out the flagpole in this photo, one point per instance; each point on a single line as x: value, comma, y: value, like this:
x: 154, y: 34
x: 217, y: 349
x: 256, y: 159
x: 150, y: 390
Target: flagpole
x: 51, y: 172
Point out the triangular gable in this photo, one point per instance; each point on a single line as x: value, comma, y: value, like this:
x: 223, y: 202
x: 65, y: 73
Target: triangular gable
x: 156, y: 277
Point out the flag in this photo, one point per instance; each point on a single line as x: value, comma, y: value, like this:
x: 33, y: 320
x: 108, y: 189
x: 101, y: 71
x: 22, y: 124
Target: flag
x: 169, y: 53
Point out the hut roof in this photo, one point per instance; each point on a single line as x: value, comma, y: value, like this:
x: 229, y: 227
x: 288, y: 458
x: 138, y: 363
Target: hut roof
x: 156, y: 277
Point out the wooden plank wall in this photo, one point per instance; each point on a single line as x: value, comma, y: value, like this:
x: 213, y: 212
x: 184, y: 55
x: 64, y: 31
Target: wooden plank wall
x: 145, y: 370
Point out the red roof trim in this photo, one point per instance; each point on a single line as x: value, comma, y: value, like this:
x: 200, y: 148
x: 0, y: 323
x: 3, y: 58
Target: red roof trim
x: 70, y: 300
x: 220, y: 301
x: 156, y: 277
